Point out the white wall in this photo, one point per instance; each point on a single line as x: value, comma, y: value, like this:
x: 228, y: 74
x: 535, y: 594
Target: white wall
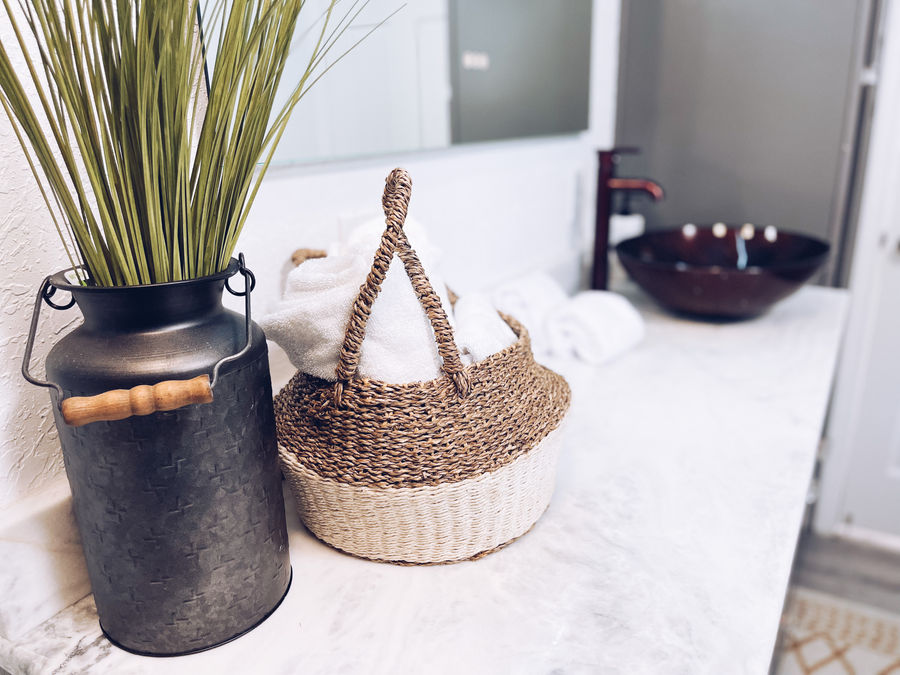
x: 497, y: 211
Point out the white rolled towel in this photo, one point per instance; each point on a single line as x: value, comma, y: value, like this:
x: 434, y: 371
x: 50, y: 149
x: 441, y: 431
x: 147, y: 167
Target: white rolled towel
x: 480, y: 330
x: 310, y: 321
x: 594, y: 327
x: 530, y: 300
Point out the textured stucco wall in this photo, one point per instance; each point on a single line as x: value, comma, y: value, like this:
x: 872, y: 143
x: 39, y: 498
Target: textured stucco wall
x: 29, y: 450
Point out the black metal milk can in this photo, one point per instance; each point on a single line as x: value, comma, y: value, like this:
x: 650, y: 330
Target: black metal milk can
x: 179, y: 506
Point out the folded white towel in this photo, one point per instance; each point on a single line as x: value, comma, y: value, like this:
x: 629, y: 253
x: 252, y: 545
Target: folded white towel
x: 530, y: 300
x: 594, y: 326
x: 480, y: 330
x: 310, y: 321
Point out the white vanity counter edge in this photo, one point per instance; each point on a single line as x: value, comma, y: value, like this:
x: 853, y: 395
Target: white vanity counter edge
x: 667, y: 547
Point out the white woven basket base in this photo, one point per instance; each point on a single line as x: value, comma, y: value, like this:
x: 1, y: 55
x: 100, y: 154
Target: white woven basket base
x: 440, y: 523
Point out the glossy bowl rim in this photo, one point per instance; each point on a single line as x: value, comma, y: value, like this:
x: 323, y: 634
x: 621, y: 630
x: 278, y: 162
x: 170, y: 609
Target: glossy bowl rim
x: 814, y: 260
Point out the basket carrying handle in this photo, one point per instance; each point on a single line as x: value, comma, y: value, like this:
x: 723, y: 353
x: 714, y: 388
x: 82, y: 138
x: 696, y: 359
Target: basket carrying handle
x: 397, y: 191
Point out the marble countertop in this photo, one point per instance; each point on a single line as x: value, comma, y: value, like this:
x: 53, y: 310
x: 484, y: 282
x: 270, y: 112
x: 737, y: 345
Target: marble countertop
x: 667, y: 547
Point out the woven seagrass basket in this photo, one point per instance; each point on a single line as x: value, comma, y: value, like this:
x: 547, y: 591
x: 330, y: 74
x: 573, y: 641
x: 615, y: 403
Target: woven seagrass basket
x: 428, y: 472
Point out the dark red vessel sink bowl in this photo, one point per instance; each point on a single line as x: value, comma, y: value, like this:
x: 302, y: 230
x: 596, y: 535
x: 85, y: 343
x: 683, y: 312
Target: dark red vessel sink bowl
x: 721, y: 271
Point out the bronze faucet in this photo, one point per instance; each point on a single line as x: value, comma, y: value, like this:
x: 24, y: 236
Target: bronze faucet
x: 607, y: 183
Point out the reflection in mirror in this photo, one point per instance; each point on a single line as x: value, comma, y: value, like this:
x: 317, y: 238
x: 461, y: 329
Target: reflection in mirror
x: 438, y: 72
x: 519, y: 68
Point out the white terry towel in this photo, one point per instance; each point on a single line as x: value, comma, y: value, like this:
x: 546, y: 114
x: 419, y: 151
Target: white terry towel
x: 595, y: 327
x: 310, y: 321
x: 530, y: 300
x: 480, y: 330
x: 365, y: 238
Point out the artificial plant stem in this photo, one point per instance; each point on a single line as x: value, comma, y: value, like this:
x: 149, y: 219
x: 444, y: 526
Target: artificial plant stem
x: 145, y: 189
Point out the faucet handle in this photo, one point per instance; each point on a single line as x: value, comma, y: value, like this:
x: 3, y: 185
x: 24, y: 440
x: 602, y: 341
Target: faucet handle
x: 625, y: 150
x: 612, y: 155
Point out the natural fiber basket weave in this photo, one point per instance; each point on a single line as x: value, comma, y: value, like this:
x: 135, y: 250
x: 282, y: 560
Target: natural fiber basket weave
x: 426, y: 472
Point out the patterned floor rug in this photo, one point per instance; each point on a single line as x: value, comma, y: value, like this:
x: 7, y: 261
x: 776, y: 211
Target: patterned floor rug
x: 827, y: 635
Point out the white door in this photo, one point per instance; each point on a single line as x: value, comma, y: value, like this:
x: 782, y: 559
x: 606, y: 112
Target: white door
x: 861, y: 485
x: 872, y: 500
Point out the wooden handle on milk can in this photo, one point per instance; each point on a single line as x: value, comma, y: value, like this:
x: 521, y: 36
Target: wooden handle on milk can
x: 144, y: 399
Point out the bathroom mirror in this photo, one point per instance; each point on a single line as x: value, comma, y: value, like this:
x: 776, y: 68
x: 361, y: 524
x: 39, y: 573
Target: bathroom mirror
x: 437, y: 73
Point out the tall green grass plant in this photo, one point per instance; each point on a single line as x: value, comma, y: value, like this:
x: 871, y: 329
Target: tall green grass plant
x: 144, y: 186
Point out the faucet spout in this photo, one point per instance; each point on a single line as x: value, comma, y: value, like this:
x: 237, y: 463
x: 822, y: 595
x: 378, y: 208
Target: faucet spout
x: 638, y: 184
x: 607, y: 184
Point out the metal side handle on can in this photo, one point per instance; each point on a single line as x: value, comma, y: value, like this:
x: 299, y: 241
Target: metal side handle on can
x: 144, y: 399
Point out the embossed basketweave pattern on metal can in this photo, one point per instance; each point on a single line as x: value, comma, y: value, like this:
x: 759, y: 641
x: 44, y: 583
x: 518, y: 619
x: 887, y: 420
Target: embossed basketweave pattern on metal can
x: 426, y: 472
x: 180, y: 517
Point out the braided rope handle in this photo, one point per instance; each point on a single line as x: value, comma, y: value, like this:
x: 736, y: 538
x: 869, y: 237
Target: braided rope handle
x: 397, y: 192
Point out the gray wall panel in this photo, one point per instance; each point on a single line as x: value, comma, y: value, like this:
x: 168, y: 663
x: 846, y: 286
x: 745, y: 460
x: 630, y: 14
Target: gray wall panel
x: 739, y: 107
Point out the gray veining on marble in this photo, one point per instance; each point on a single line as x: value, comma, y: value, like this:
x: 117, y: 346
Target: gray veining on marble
x: 43, y: 568
x: 667, y: 547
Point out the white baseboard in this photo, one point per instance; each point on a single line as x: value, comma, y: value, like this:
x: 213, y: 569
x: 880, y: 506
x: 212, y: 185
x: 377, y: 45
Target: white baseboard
x: 870, y: 537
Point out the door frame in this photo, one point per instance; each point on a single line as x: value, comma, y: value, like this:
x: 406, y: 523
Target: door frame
x: 877, y: 239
